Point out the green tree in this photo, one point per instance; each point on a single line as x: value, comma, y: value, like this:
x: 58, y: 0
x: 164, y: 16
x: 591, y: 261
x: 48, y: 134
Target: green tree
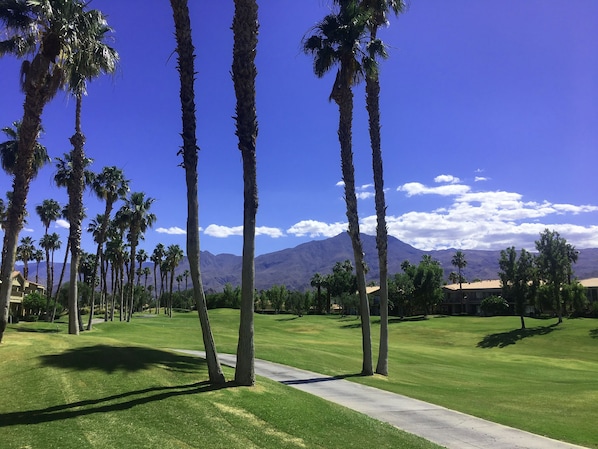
x: 400, y: 291
x: 52, y: 32
x: 25, y: 253
x: 316, y: 282
x: 109, y: 185
x: 9, y: 150
x: 336, y: 41
x: 173, y: 257
x: 427, y: 283
x: 554, y: 262
x: 244, y: 72
x: 38, y: 256
x: 517, y: 278
x: 458, y: 261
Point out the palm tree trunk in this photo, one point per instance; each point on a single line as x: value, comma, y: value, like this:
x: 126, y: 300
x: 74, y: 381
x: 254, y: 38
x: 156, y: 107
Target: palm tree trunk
x: 344, y: 99
x: 373, y: 108
x: 244, y: 72
x: 38, y: 92
x: 66, y: 255
x: 131, y: 291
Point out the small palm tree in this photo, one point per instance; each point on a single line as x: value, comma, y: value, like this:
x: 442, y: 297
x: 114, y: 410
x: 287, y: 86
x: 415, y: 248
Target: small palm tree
x: 460, y: 263
x: 156, y: 258
x: 25, y: 253
x: 9, y: 150
x: 48, y: 211
x: 337, y: 41
x: 174, y: 254
x: 38, y: 256
x: 50, y: 243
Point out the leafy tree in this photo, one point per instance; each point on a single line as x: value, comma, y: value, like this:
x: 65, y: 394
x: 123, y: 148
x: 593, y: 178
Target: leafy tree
x: 400, y: 291
x: 518, y: 279
x: 575, y: 297
x: 244, y: 72
x: 554, y: 263
x: 494, y: 305
x: 34, y: 303
x: 426, y: 278
x: 459, y: 262
x: 342, y: 281
x: 336, y: 41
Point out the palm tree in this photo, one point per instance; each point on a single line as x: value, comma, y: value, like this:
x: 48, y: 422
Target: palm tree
x: 186, y: 69
x: 93, y: 58
x: 156, y: 258
x: 49, y: 32
x: 244, y: 72
x: 50, y: 243
x: 179, y: 279
x: 379, y: 10
x: 38, y: 256
x: 48, y: 211
x: 146, y: 273
x: 174, y: 254
x: 65, y: 215
x: 186, y: 274
x: 337, y: 42
x: 459, y: 262
x: 115, y: 253
x: 25, y: 253
x: 136, y: 212
x: 67, y: 175
x: 109, y: 185
x: 9, y: 150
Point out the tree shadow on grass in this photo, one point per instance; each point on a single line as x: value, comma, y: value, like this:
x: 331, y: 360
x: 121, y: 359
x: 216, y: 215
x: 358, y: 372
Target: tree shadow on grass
x: 120, y: 358
x: 594, y: 333
x: 118, y: 402
x: 292, y: 318
x: 320, y: 379
x: 40, y: 331
x: 504, y: 339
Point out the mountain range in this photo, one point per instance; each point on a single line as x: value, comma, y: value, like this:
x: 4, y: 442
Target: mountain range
x: 294, y: 267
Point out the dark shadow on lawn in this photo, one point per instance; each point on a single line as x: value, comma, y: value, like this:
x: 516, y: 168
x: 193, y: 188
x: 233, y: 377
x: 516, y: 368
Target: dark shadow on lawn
x: 40, y: 331
x: 320, y: 379
x: 292, y: 318
x: 102, y: 405
x: 594, y: 333
x: 120, y: 358
x: 505, y: 339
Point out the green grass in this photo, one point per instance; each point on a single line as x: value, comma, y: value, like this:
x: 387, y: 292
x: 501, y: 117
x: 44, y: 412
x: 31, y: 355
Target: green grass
x: 544, y: 379
x: 111, y: 388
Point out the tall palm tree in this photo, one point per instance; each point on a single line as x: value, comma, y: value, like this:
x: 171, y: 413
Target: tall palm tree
x: 186, y: 69
x: 337, y: 41
x: 70, y: 170
x: 93, y: 58
x: 379, y: 10
x: 137, y: 214
x: 25, y: 253
x: 49, y: 210
x: 49, y: 32
x: 244, y: 72
x: 460, y: 263
x: 109, y: 185
x: 156, y: 258
x: 65, y: 216
x: 174, y: 254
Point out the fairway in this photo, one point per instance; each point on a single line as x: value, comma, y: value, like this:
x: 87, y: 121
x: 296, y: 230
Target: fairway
x: 542, y: 380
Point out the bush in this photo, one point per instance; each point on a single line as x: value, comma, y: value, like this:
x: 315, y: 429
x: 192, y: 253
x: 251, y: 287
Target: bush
x: 494, y: 305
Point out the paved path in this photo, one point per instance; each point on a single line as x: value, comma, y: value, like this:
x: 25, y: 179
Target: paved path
x: 440, y: 425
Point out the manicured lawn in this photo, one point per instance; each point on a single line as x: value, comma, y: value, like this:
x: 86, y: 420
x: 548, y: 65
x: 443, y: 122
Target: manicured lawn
x: 544, y: 380
x: 107, y: 389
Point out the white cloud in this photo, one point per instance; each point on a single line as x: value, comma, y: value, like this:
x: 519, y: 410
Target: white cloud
x: 364, y: 195
x: 340, y: 184
x: 173, y: 230
x: 313, y: 228
x: 62, y: 223
x: 447, y: 179
x: 218, y: 231
x: 28, y: 230
x: 416, y: 188
x: 480, y: 179
x: 270, y: 232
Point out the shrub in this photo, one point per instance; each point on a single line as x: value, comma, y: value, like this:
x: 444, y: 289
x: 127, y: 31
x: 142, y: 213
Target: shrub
x: 494, y: 305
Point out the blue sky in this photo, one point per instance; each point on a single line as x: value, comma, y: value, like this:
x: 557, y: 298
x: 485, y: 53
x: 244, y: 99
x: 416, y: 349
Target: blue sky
x: 489, y: 113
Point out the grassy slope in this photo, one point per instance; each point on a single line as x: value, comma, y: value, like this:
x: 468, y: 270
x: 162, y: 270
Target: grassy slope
x: 543, y: 380
x: 108, y: 389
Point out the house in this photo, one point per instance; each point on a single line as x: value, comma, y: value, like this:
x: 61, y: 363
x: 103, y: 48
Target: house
x: 473, y: 294
x: 20, y: 288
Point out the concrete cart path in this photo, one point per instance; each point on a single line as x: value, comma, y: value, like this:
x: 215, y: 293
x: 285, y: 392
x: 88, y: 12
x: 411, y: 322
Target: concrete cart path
x: 448, y: 428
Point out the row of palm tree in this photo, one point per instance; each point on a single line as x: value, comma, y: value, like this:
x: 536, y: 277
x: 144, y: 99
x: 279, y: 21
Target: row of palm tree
x: 348, y: 40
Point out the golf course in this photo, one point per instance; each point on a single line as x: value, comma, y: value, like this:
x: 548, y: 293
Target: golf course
x: 120, y: 386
